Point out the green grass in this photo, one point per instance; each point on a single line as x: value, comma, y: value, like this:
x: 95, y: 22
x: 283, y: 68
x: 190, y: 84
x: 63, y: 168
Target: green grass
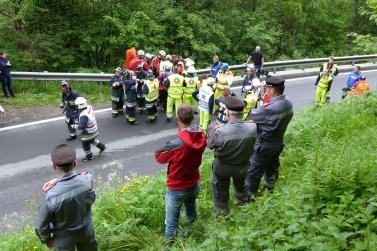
x: 48, y: 93
x: 326, y: 198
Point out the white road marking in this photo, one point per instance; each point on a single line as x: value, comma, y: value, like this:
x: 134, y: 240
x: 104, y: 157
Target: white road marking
x: 109, y: 109
x: 13, y: 169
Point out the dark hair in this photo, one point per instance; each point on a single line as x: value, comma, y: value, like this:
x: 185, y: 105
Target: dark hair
x: 279, y: 89
x: 65, y: 167
x: 185, y: 114
x: 2, y: 53
x: 358, y: 67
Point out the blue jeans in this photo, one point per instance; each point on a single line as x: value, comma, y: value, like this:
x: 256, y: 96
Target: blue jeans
x: 174, y: 201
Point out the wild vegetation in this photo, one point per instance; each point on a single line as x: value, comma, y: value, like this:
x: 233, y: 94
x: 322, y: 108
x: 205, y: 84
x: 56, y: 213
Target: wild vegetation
x: 326, y: 198
x: 93, y: 35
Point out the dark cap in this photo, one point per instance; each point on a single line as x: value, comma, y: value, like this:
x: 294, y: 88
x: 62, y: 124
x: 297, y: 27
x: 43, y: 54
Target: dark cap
x: 234, y: 104
x: 63, y: 154
x: 274, y: 81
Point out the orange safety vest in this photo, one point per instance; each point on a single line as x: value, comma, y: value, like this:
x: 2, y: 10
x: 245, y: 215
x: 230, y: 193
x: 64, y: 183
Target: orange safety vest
x: 360, y: 87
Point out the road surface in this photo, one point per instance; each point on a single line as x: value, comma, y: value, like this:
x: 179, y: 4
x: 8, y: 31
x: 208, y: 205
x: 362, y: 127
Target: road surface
x: 25, y: 150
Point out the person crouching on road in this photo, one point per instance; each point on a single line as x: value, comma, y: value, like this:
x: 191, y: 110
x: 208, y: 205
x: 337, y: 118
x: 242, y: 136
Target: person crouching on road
x: 65, y: 215
x: 233, y: 144
x: 88, y: 124
x: 69, y: 108
x: 150, y: 91
x: 360, y: 87
x: 184, y: 155
x: 272, y: 120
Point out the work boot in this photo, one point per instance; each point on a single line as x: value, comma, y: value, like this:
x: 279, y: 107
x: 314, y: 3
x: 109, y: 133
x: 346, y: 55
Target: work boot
x: 87, y: 157
x: 114, y: 114
x: 71, y: 137
x: 168, y: 119
x: 101, y: 147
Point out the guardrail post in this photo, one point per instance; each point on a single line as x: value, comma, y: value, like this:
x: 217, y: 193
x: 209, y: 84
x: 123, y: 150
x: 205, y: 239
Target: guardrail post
x: 274, y: 70
x: 45, y: 80
x: 353, y: 63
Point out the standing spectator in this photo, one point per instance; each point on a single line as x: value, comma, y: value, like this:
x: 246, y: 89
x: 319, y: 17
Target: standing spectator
x: 184, y: 155
x: 233, y: 144
x: 215, y: 67
x: 272, y: 120
x: 5, y: 77
x: 65, y: 215
x: 258, y: 60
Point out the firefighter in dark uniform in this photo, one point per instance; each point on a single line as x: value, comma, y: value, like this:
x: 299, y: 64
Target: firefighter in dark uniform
x: 141, y: 76
x: 65, y: 215
x: 150, y: 90
x: 131, y: 95
x: 69, y: 108
x: 117, y: 92
x: 272, y: 120
x: 233, y: 146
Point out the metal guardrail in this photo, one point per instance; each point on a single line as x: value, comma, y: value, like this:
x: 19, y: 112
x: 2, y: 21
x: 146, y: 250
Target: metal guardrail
x: 104, y: 77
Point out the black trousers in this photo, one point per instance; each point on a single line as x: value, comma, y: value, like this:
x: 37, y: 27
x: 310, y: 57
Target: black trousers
x: 264, y: 162
x: 163, y: 98
x: 6, y: 84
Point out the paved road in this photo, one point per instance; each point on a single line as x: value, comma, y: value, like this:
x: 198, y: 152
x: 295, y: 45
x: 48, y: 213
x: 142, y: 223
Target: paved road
x: 25, y: 160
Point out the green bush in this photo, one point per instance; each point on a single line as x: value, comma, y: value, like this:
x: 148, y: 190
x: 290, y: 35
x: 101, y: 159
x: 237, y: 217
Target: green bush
x: 325, y: 198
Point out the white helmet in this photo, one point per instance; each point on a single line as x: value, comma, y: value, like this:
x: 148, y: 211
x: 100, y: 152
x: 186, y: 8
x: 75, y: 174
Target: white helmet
x: 247, y: 88
x: 140, y: 53
x: 189, y: 62
x: 169, y: 57
x: 256, y: 83
x: 191, y: 70
x: 148, y: 55
x: 81, y: 103
x: 211, y: 81
x: 162, y: 53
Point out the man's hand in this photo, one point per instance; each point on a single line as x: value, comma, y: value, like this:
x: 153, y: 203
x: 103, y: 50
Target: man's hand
x: 50, y: 244
x: 251, y: 121
x: 49, y: 184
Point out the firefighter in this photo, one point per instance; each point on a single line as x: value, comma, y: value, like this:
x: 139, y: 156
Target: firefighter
x: 353, y: 78
x: 117, y: 92
x: 220, y: 101
x: 323, y: 84
x: 224, y: 80
x: 206, y: 102
x: 174, y: 85
x: 88, y: 124
x: 150, y: 91
x: 141, y: 76
x: 333, y: 70
x: 162, y: 92
x: 189, y: 86
x: 131, y: 96
x: 69, y: 108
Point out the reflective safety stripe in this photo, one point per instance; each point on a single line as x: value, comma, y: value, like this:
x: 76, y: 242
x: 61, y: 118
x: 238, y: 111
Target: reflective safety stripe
x: 133, y: 104
x: 115, y: 98
x: 88, y: 137
x: 67, y: 119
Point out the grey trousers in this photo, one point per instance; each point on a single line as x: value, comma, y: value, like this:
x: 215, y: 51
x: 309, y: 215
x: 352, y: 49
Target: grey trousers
x: 81, y: 241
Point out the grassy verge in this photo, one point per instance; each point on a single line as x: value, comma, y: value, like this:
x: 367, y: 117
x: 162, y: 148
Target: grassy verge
x: 44, y: 93
x: 325, y: 200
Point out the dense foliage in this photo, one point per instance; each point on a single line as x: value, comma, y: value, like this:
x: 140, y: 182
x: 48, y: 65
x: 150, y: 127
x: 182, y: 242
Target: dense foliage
x: 325, y: 198
x: 94, y: 34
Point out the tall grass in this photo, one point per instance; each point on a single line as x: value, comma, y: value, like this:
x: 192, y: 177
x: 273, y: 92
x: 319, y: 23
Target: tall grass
x: 326, y: 197
x: 47, y: 93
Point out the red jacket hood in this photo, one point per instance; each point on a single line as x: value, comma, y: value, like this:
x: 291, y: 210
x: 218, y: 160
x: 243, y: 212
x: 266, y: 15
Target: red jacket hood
x: 193, y: 138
